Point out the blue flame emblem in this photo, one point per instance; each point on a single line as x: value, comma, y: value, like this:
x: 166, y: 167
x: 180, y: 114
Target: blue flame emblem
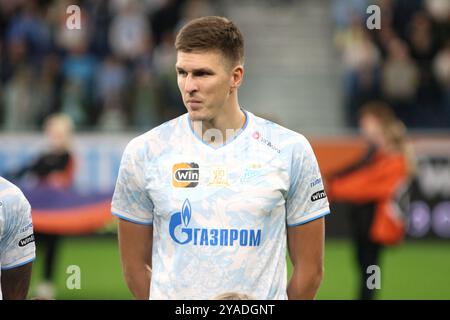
x: 179, y: 218
x: 186, y: 212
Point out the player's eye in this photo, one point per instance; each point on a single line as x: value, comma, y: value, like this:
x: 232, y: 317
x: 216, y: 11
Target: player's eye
x: 202, y: 74
x: 182, y: 72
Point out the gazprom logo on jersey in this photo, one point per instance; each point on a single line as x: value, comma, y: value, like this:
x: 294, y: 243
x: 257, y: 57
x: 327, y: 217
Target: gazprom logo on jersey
x: 181, y: 233
x: 185, y: 175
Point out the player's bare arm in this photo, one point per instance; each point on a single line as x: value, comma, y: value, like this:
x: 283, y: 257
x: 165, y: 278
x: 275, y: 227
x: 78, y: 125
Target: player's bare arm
x: 306, y: 247
x: 135, y: 244
x: 16, y: 282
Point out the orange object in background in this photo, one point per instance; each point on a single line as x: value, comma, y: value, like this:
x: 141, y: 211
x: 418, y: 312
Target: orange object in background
x: 335, y: 153
x: 85, y: 219
x: 375, y: 182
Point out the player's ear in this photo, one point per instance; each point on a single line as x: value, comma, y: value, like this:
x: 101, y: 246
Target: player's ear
x: 237, y: 75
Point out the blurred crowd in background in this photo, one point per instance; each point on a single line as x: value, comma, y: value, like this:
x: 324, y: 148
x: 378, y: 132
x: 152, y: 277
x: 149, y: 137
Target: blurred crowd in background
x: 405, y: 63
x: 115, y: 73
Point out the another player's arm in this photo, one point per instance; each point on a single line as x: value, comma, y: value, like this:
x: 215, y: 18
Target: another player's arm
x: 306, y: 247
x: 16, y: 282
x: 135, y: 244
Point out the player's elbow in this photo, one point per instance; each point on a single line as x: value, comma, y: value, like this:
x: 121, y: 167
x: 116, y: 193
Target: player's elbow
x: 133, y: 275
x: 317, y: 276
x: 314, y: 277
x: 305, y: 282
x: 313, y: 281
x: 138, y: 280
x: 128, y: 276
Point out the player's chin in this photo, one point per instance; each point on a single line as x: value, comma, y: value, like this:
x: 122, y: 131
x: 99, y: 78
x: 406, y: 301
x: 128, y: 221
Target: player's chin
x: 197, y: 115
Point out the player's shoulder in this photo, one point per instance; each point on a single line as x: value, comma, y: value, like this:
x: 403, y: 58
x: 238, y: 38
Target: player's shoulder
x: 11, y: 196
x: 8, y: 190
x: 285, y: 138
x: 158, y: 138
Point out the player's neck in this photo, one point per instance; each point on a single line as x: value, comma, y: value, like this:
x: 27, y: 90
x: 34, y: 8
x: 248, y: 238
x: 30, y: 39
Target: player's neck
x: 228, y: 122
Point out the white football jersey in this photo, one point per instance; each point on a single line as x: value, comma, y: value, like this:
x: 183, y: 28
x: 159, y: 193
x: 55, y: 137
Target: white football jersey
x: 17, y: 245
x: 219, y: 214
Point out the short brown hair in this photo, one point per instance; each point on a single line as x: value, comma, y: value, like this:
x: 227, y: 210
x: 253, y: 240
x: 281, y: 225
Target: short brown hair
x: 212, y: 33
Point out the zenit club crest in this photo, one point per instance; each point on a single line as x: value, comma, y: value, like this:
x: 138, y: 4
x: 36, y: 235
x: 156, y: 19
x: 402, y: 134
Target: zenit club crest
x: 185, y: 175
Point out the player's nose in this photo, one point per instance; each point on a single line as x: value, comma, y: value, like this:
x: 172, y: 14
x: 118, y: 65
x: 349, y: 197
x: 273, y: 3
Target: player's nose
x: 190, y: 85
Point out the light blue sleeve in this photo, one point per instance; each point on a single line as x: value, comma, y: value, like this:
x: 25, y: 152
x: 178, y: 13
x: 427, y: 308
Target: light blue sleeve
x: 131, y: 201
x: 306, y: 200
x: 18, y: 247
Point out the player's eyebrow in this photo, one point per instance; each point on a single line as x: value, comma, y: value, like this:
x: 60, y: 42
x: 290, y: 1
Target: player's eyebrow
x: 197, y: 71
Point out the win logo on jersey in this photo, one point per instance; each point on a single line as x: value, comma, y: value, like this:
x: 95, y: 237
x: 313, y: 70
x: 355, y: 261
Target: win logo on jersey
x: 185, y: 175
x: 318, y: 195
x: 209, y: 237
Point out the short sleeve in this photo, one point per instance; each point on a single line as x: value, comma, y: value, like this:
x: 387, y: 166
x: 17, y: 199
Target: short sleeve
x: 306, y: 199
x: 131, y: 201
x: 18, y: 237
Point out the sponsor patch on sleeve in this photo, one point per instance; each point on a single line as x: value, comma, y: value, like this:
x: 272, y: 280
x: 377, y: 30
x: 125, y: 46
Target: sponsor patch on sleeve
x: 318, y: 195
x: 26, y: 241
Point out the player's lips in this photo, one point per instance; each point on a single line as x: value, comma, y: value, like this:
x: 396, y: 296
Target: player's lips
x: 194, y: 104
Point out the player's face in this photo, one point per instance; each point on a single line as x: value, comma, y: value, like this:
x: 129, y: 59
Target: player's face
x: 204, y: 80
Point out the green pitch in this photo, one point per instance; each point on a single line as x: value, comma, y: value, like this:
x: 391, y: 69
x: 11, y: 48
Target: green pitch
x: 415, y: 270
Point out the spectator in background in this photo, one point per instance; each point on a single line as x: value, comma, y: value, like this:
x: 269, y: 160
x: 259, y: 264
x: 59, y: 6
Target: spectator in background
x: 78, y: 70
x: 54, y: 168
x: 344, y: 12
x: 37, y: 48
x: 194, y: 9
x: 421, y: 38
x: 361, y: 62
x: 164, y: 60
x: 29, y: 26
x: 32, y: 94
x: 15, y: 58
x: 400, y: 80
x: 374, y: 188
x: 438, y: 9
x: 111, y: 81
x: 129, y: 31
x: 66, y: 39
x: 441, y: 68
x: 100, y: 13
x: 17, y: 100
x: 146, y: 112
x: 383, y: 36
x: 423, y: 50
x: 47, y: 96
x: 165, y: 19
x: 411, y: 34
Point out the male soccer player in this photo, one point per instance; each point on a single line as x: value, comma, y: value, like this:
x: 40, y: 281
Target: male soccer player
x: 209, y: 201
x: 17, y: 248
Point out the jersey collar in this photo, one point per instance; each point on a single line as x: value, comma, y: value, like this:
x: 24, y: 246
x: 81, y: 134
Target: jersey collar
x: 238, y: 134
